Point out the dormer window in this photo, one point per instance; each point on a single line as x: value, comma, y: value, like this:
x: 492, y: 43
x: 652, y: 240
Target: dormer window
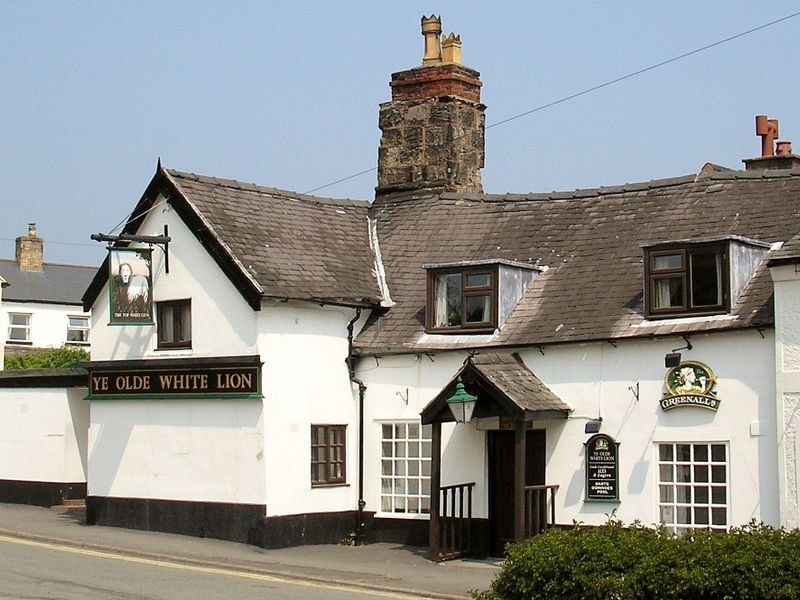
x: 463, y: 299
x: 698, y: 277
x: 466, y: 297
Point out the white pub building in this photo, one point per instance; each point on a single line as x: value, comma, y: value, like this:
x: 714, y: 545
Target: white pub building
x: 447, y: 367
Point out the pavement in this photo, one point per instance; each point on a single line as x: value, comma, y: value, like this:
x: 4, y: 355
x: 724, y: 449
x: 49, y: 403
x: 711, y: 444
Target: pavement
x: 380, y: 567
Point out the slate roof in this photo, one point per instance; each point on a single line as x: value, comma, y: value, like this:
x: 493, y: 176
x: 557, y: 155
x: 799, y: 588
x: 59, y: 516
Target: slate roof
x: 590, y: 242
x: 272, y: 243
x: 54, y: 284
x: 504, y: 379
x: 789, y: 252
x: 295, y: 246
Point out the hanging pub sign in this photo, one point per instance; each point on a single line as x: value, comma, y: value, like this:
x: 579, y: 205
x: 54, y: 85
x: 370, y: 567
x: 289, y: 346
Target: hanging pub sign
x: 602, y: 473
x: 130, y: 284
x: 690, y: 384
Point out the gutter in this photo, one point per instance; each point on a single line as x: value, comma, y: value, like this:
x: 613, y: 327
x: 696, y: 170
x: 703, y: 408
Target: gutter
x: 362, y: 388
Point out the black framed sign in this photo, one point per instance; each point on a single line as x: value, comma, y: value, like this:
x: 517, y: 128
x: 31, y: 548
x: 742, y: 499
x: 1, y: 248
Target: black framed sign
x: 130, y: 283
x: 602, y: 468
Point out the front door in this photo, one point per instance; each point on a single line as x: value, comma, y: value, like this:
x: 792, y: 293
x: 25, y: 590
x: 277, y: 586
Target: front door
x: 501, y: 481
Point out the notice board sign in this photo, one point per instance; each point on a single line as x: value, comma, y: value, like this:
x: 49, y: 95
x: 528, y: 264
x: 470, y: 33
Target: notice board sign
x: 602, y: 468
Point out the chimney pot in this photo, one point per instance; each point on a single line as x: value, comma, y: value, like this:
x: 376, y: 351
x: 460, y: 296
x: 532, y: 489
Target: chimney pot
x: 451, y: 49
x: 432, y: 30
x: 783, y: 148
x: 767, y: 130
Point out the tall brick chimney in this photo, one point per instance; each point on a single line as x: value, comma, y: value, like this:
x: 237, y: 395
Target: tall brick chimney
x: 30, y: 250
x: 433, y: 128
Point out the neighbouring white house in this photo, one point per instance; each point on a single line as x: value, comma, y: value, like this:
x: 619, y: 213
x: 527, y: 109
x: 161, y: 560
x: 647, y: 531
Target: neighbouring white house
x: 44, y: 419
x: 443, y: 366
x: 41, y: 303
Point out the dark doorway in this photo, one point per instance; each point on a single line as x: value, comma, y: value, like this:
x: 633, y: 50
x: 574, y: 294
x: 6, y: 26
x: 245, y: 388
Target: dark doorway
x: 501, y: 481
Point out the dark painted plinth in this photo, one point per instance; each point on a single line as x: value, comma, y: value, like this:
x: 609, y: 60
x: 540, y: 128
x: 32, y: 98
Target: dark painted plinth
x: 307, y: 529
x: 224, y: 521
x: 40, y: 493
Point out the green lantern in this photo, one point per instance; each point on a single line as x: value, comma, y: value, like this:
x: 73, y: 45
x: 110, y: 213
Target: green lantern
x: 461, y: 403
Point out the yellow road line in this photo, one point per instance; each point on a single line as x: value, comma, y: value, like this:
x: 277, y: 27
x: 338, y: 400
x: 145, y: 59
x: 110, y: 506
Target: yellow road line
x: 210, y: 570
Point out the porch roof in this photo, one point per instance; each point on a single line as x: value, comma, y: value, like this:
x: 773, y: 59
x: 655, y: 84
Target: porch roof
x: 504, y: 387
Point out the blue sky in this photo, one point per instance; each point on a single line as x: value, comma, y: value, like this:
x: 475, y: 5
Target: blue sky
x: 286, y: 94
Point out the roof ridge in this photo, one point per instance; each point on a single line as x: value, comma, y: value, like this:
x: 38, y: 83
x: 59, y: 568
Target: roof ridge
x: 261, y: 189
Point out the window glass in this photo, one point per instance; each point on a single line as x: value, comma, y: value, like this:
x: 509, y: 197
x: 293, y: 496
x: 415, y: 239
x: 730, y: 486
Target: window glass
x: 462, y: 300
x: 19, y: 329
x: 479, y: 308
x: 174, y: 324
x: 328, y: 454
x: 706, y: 268
x: 668, y: 261
x: 668, y: 292
x: 696, y: 496
x: 405, y: 468
x: 78, y: 330
x: 447, y: 299
x: 479, y: 280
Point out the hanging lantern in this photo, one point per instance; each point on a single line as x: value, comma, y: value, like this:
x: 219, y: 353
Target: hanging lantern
x: 461, y: 403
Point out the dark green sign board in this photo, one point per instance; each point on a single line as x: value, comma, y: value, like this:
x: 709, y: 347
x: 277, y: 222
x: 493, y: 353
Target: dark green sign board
x: 602, y: 468
x: 216, y: 381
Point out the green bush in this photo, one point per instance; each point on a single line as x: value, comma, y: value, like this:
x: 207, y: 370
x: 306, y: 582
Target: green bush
x: 57, y: 358
x: 625, y: 563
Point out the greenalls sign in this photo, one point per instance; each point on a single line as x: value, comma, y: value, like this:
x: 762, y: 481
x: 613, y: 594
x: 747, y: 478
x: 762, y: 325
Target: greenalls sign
x: 690, y: 384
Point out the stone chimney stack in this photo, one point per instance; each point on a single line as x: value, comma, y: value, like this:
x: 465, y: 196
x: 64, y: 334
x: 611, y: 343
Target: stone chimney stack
x: 433, y: 128
x: 30, y: 250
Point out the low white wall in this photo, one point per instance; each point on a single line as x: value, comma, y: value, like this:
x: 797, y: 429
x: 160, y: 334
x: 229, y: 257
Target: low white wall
x: 594, y: 380
x: 43, y: 434
x: 195, y: 450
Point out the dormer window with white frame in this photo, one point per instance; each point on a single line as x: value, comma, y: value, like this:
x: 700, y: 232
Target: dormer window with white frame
x: 698, y: 277
x: 474, y: 297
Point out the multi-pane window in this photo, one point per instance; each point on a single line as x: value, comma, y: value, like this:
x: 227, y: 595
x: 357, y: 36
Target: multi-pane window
x: 328, y: 454
x: 78, y: 330
x: 463, y: 299
x: 175, y: 324
x: 693, y: 486
x: 19, y: 328
x: 686, y: 280
x: 405, y: 468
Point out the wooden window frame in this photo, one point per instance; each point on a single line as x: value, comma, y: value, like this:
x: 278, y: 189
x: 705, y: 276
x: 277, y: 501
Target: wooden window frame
x: 328, y: 462
x: 651, y: 275
x: 176, y: 306
x: 466, y: 292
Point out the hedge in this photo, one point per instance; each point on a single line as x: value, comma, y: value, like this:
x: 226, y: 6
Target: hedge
x: 625, y: 563
x: 55, y: 358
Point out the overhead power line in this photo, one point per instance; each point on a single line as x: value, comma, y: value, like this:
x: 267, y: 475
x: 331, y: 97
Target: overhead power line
x: 596, y: 87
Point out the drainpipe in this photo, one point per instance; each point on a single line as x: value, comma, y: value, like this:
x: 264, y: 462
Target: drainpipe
x: 362, y: 388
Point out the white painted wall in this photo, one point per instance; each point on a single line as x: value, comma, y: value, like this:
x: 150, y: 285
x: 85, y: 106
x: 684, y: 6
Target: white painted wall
x: 223, y: 324
x: 201, y: 450
x: 42, y: 434
x: 594, y: 379
x: 49, y: 322
x: 306, y: 381
x: 786, y: 280
x: 3, y: 330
